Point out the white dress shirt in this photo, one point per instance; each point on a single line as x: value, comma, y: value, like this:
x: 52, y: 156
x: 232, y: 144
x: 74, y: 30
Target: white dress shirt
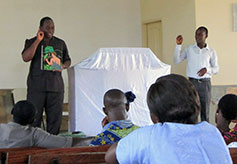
x: 197, y: 59
x: 15, y: 135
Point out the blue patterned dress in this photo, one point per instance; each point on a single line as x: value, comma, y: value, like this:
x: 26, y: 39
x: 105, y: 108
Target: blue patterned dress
x: 113, y: 132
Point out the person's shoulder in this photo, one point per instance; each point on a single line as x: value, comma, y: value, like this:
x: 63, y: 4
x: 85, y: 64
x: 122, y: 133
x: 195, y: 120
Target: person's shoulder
x: 206, y: 125
x: 145, y: 130
x: 31, y: 39
x: 58, y: 39
x: 138, y: 138
x: 212, y: 49
x: 3, y: 125
x: 38, y: 131
x: 191, y: 45
x: 188, y: 47
x: 207, y: 128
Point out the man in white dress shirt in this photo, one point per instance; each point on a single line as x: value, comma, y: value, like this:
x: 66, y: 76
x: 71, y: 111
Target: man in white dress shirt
x: 201, y: 65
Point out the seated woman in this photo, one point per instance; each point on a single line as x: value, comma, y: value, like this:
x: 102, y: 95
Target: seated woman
x: 116, y: 125
x: 176, y: 137
x: 225, y: 114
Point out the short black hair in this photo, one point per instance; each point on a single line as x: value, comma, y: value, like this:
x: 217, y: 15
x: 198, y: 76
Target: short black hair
x: 23, y: 112
x: 228, y: 106
x: 44, y: 19
x: 174, y: 99
x: 114, y: 97
x: 203, y: 28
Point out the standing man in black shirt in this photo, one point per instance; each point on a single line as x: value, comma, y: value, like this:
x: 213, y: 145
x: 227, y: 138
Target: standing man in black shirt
x: 45, y: 89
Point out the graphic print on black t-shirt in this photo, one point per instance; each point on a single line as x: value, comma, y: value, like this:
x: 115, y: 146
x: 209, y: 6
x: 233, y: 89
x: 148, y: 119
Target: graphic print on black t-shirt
x: 50, y: 61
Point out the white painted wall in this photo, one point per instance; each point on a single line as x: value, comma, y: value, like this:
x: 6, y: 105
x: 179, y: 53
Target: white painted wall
x: 217, y: 15
x: 177, y: 17
x: 184, y: 17
x: 85, y: 25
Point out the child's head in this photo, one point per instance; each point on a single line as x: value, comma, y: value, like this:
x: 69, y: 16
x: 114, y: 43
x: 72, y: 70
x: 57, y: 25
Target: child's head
x: 173, y: 99
x: 227, y: 109
x: 115, y: 105
x: 23, y: 112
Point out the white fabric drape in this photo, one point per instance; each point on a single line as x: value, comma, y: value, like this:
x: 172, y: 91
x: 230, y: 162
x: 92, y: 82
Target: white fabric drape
x: 127, y: 69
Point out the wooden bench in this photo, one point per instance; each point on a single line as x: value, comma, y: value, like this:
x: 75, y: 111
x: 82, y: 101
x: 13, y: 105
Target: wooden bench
x: 22, y: 155
x: 4, y: 153
x: 63, y: 155
x: 233, y: 153
x: 68, y: 158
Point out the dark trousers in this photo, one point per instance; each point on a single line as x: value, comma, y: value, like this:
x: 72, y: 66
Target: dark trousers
x: 52, y: 102
x: 203, y: 87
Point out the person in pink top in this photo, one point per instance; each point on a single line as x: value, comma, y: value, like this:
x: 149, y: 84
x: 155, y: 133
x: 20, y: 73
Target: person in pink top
x: 225, y: 114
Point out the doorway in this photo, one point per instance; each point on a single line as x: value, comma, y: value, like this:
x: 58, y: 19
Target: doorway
x: 152, y: 37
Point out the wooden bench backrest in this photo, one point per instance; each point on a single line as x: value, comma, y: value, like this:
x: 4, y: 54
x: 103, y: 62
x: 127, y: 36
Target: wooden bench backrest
x: 86, y: 154
x: 98, y: 157
x: 5, y: 152
x: 21, y: 155
x: 68, y: 158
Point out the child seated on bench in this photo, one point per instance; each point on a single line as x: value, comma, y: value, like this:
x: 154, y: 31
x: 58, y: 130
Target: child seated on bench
x: 176, y: 137
x: 116, y: 125
x: 225, y: 114
x: 19, y: 133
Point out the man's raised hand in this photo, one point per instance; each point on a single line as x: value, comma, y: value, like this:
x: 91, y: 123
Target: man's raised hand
x: 40, y: 35
x: 179, y: 40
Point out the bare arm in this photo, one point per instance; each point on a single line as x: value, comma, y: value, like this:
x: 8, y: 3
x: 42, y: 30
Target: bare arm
x: 28, y: 54
x: 49, y: 62
x: 110, y: 156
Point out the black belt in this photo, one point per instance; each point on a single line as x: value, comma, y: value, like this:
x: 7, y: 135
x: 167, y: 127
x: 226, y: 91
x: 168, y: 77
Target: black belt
x: 200, y: 80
